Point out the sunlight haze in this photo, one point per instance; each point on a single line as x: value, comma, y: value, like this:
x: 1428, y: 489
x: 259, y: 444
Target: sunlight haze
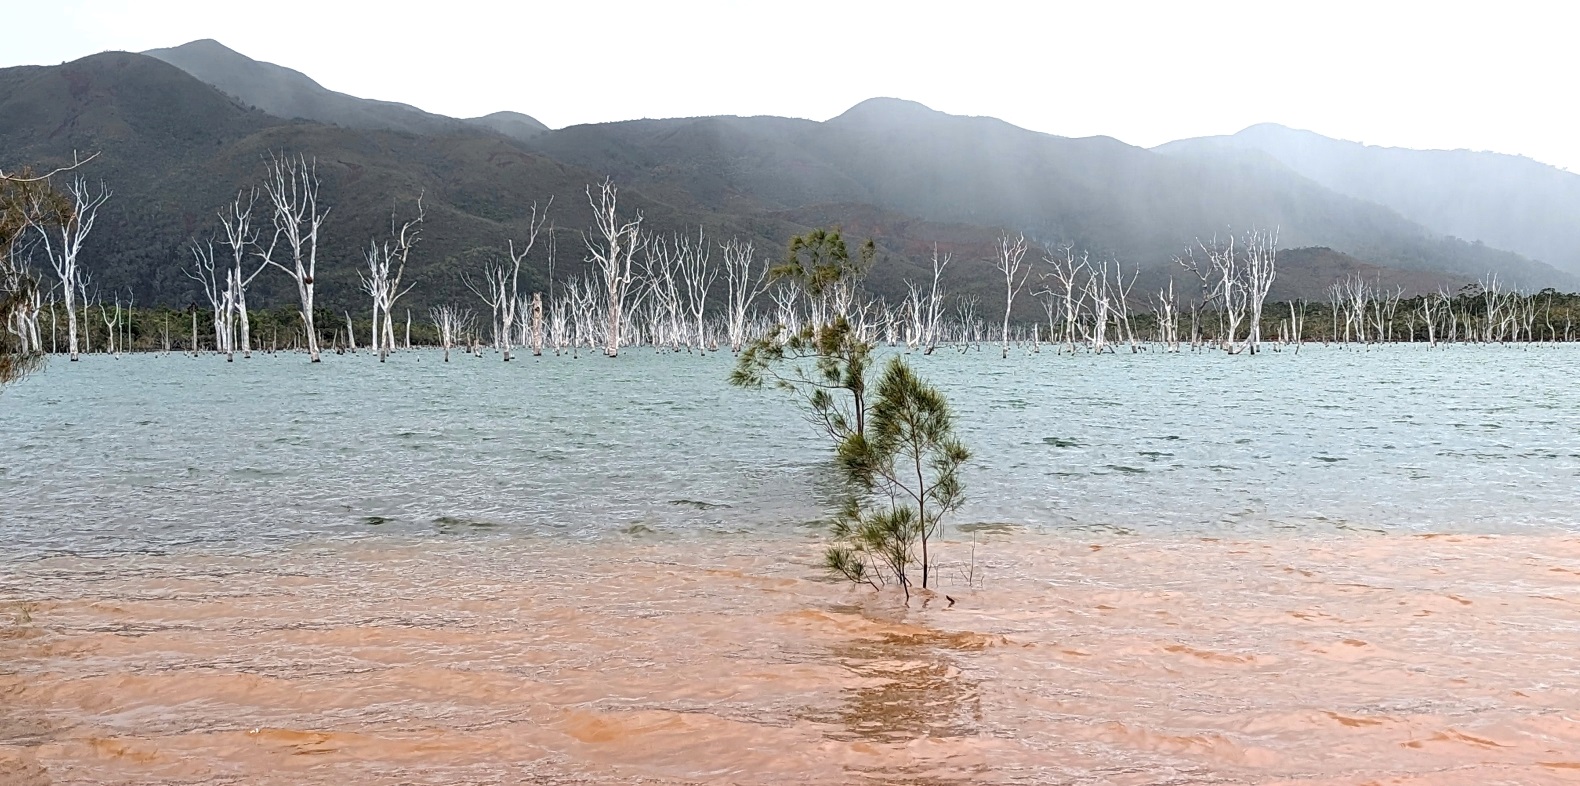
x: 1422, y: 75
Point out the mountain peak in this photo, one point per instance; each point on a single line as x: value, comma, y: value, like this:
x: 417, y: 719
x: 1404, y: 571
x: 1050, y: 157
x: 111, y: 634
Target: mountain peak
x: 511, y: 124
x: 207, y: 45
x: 287, y: 93
x: 1277, y: 131
x: 239, y: 75
x: 1270, y: 128
x: 888, y: 110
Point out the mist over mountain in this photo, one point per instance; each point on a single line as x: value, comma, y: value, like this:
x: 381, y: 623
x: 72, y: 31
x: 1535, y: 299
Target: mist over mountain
x: 1505, y: 201
x: 1096, y: 193
x: 287, y: 93
x: 181, y: 133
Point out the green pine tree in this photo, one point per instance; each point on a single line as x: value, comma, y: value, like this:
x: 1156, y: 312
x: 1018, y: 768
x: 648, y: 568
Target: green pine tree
x: 907, y: 466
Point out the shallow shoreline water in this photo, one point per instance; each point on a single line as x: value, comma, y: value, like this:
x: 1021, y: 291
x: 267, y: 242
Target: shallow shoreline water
x: 1340, y: 659
x: 1344, y: 567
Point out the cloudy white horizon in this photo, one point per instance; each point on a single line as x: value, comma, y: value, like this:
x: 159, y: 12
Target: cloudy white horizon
x: 1399, y: 74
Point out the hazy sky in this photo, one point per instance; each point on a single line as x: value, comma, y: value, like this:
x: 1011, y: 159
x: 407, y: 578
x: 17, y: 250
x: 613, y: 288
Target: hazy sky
x: 1485, y: 76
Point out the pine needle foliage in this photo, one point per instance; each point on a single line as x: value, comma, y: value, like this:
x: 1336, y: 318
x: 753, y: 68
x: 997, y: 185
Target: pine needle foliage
x: 820, y: 261
x: 898, y: 453
x: 825, y: 369
x: 907, y: 466
x: 825, y: 364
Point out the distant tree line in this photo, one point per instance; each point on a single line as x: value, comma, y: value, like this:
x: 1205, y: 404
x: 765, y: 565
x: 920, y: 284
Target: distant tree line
x: 628, y: 286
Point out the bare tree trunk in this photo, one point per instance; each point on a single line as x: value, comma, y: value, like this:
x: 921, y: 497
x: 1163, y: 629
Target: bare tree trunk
x: 292, y: 187
x: 1011, y: 256
x: 242, y: 239
x: 741, y: 288
x: 63, y: 258
x: 373, y: 327
x: 386, y: 266
x: 451, y: 325
x: 658, y: 290
x: 204, y: 273
x: 537, y: 324
x: 698, y: 275
x: 1067, y: 271
x: 1261, y: 269
x: 613, y: 253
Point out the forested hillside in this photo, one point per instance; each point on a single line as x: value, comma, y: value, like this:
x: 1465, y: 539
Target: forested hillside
x: 176, y: 150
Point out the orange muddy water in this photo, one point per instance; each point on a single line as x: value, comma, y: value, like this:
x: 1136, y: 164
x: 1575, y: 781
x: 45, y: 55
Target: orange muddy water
x: 1389, y: 659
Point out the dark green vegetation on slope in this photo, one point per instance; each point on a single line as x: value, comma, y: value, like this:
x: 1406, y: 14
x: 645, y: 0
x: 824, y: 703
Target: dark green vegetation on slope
x: 175, y: 150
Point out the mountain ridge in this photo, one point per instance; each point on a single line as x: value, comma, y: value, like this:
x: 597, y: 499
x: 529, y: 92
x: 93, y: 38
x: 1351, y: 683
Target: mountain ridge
x: 1096, y: 192
x: 176, y: 149
x: 288, y: 93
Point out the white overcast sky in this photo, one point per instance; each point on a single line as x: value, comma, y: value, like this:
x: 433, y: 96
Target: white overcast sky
x: 1485, y: 76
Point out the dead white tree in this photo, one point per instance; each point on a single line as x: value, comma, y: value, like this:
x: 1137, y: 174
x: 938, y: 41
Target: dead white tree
x: 220, y: 296
x: 493, y: 291
x: 1011, y: 262
x: 450, y: 324
x: 386, y: 266
x: 612, y: 251
x: 1427, y: 302
x: 241, y: 238
x: 787, y: 314
x: 112, y: 321
x: 351, y: 337
x: 926, y: 307
x: 292, y: 186
x: 20, y: 287
x: 1121, y: 304
x: 744, y: 281
x: 84, y: 285
x: 1387, y: 305
x: 1493, y: 302
x: 510, y: 298
x: 33, y: 310
x: 373, y: 287
x: 64, y: 249
x: 559, y: 325
x: 1066, y: 273
x: 659, y: 290
x: 582, y: 295
x: 537, y: 324
x: 1336, y: 303
x: 697, y: 275
x: 971, y: 327
x: 1297, y: 323
x: 1223, y: 280
x: 1099, y: 291
x: 1261, y: 268
x: 1166, y: 314
x: 1355, y: 295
